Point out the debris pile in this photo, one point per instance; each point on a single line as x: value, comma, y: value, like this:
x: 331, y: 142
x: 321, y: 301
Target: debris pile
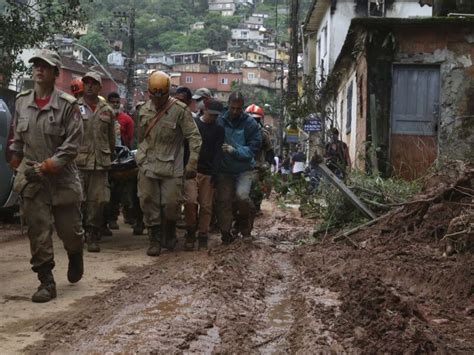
x: 406, y: 278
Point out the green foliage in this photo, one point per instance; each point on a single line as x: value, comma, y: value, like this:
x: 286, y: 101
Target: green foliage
x: 164, y: 26
x: 28, y: 26
x: 97, y: 44
x: 333, y: 210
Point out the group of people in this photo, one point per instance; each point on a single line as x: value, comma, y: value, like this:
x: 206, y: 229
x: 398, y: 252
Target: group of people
x: 204, y: 162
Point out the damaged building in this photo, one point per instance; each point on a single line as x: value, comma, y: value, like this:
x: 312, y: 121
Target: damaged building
x: 401, y: 91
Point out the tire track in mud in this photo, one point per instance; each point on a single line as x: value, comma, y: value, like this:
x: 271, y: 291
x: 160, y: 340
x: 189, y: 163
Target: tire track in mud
x: 249, y: 297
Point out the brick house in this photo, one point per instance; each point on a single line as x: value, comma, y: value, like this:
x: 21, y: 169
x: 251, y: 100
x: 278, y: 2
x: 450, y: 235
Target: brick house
x: 72, y: 70
x: 219, y: 83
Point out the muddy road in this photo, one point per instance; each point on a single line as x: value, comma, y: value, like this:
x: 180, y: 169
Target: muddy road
x: 273, y: 294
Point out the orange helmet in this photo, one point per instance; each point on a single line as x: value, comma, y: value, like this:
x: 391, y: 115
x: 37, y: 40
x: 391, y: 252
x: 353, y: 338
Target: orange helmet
x: 77, y: 86
x: 159, y: 84
x: 255, y: 111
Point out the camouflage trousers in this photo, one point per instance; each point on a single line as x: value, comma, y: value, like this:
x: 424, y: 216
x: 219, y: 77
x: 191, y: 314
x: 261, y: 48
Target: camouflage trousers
x: 160, y: 199
x: 95, y: 185
x: 42, y: 218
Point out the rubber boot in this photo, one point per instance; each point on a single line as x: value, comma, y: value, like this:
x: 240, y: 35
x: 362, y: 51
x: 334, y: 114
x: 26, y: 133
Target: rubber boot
x: 202, y: 241
x: 169, y: 234
x: 154, y: 234
x: 190, y: 239
x: 75, y: 268
x: 47, y: 289
x: 92, y: 239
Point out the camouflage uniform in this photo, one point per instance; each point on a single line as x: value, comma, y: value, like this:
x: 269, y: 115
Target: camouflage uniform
x: 262, y: 185
x: 55, y: 133
x: 161, y: 167
x: 94, y: 161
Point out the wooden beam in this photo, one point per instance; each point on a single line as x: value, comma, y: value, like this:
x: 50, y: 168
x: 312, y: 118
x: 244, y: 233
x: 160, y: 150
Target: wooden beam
x: 345, y: 191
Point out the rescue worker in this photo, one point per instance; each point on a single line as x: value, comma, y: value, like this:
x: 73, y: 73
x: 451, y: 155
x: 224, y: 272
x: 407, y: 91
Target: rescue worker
x: 163, y: 124
x: 199, y: 192
x: 243, y: 139
x: 263, y: 160
x: 94, y: 158
x: 47, y: 136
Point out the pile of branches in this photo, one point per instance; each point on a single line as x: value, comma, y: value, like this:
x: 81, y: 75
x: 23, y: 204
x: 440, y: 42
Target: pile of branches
x: 333, y: 210
x: 442, y: 211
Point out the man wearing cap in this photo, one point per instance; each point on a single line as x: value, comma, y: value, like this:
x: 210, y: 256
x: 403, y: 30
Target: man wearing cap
x: 201, y: 96
x: 47, y: 136
x: 94, y: 158
x: 163, y: 124
x: 198, y: 192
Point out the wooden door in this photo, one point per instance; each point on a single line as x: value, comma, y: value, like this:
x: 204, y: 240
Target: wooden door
x: 414, y: 121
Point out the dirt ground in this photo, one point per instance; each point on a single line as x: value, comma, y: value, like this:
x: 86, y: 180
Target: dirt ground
x: 277, y: 293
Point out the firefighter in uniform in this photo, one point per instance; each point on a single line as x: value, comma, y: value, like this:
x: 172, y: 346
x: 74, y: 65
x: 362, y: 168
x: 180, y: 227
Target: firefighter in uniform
x: 163, y: 125
x: 94, y: 158
x: 47, y: 136
x: 263, y: 159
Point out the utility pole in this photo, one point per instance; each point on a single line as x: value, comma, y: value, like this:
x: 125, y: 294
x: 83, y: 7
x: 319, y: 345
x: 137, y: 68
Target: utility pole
x: 131, y: 61
x: 292, y: 98
x: 130, y: 30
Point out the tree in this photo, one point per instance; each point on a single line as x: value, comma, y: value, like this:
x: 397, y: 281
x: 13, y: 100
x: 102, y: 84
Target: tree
x: 97, y: 44
x: 30, y: 24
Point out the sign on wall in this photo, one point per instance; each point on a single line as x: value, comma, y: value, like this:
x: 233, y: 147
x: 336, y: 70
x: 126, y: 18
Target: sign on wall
x: 312, y: 124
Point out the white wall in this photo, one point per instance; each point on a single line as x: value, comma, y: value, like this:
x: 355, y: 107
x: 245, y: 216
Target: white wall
x: 350, y: 138
x: 408, y: 8
x: 341, y: 21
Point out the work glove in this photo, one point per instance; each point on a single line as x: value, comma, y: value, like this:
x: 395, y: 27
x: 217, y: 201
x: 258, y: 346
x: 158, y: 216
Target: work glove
x: 190, y: 171
x: 33, y: 172
x: 227, y: 148
x: 47, y: 167
x: 14, y: 163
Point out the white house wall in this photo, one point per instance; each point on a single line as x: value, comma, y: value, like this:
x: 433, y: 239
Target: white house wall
x: 341, y: 115
x: 409, y: 8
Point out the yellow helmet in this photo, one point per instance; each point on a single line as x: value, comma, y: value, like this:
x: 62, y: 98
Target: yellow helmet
x: 158, y: 84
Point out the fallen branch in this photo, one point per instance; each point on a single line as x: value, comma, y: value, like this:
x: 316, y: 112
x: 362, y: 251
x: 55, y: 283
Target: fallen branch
x: 468, y: 230
x: 367, y: 224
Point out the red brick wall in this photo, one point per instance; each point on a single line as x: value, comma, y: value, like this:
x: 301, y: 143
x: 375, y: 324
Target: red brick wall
x: 212, y: 81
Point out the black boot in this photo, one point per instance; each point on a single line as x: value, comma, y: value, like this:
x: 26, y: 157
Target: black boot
x: 138, y: 228
x: 75, y: 268
x: 154, y: 234
x: 105, y: 231
x: 190, y: 239
x: 202, y: 241
x: 169, y: 234
x: 113, y: 224
x: 227, y: 238
x: 47, y: 290
x: 92, y: 239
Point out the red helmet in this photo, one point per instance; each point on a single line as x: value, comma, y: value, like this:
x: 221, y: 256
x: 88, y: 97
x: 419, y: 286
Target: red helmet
x: 77, y: 86
x: 255, y: 111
